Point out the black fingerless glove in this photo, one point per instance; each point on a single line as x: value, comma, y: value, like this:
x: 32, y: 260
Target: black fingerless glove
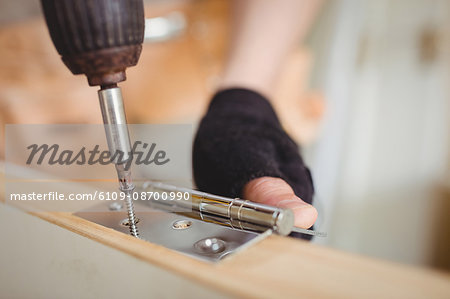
x: 240, y: 139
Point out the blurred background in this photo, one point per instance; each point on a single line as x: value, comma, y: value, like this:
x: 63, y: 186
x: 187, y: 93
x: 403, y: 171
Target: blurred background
x: 365, y: 94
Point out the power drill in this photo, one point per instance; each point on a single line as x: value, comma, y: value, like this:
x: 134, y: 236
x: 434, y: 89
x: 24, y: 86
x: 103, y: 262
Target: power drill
x: 101, y: 38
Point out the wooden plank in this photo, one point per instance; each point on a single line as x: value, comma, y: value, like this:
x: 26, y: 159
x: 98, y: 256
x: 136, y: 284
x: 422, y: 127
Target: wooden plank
x: 41, y: 260
x: 277, y: 266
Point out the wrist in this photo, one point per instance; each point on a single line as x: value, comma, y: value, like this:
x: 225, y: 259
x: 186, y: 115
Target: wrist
x: 243, y: 103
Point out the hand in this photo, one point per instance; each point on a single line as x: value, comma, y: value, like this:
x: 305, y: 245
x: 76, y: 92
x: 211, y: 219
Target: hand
x: 242, y: 151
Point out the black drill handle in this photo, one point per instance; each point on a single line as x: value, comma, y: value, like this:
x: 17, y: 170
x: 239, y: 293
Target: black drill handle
x: 99, y: 38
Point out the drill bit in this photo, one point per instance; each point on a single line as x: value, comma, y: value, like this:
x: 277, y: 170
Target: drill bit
x: 119, y: 144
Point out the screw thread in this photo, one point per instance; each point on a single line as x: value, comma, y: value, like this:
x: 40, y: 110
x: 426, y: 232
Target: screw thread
x: 131, y: 215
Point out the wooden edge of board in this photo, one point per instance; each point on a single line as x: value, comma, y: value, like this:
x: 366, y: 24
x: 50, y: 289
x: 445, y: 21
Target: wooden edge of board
x: 272, y: 267
x: 190, y: 268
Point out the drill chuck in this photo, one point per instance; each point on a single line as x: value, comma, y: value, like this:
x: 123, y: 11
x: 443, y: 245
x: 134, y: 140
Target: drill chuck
x: 98, y: 38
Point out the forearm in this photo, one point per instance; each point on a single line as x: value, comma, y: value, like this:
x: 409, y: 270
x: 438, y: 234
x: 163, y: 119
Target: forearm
x: 263, y: 33
x: 241, y: 149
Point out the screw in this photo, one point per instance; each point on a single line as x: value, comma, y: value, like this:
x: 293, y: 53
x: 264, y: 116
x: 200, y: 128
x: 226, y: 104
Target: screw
x: 126, y: 221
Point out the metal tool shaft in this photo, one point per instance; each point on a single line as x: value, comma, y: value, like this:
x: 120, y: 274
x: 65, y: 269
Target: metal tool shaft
x: 115, y: 122
x: 119, y: 144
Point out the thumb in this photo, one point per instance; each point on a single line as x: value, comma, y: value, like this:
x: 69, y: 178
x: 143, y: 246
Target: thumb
x: 276, y: 192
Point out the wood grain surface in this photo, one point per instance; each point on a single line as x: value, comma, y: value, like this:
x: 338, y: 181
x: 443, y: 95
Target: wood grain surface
x: 277, y: 267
